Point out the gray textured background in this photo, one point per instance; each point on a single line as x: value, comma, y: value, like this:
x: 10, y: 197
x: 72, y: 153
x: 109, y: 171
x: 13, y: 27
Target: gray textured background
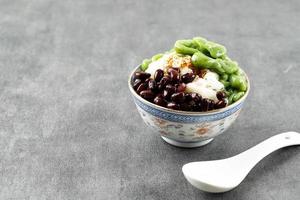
x: 69, y: 128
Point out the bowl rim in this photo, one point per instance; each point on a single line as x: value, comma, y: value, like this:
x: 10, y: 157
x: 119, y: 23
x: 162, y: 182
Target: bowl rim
x: 181, y: 112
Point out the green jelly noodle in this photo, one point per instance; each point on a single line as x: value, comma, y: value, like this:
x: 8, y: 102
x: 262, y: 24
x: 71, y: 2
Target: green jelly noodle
x: 210, y: 55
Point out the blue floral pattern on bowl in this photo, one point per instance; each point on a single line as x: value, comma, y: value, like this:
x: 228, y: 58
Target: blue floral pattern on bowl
x: 196, y: 130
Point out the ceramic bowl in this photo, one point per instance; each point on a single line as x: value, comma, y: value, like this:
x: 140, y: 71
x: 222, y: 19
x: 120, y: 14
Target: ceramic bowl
x: 186, y: 129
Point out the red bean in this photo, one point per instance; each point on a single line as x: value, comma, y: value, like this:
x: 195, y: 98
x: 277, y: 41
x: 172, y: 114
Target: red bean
x: 181, y: 87
x: 159, y: 100
x: 141, y: 75
x: 159, y: 87
x: 173, y: 106
x: 197, y: 107
x: 196, y: 97
x: 174, y: 75
x: 152, y: 85
x: 188, y: 77
x: 178, y: 97
x: 173, y: 68
x: 211, y: 104
x: 141, y: 88
x: 158, y: 75
x: 164, y: 81
x: 192, y: 103
x: 188, y: 97
x: 204, y: 105
x: 148, y: 95
x: 136, y: 83
x: 221, y: 95
x: 220, y: 104
x: 167, y: 94
x: 185, y: 107
x: 170, y: 88
x: 147, y: 80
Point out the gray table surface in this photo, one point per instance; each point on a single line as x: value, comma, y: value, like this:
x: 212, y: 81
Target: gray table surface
x: 70, y: 130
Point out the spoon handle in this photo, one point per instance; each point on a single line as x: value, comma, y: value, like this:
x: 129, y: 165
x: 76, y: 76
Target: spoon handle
x: 249, y: 158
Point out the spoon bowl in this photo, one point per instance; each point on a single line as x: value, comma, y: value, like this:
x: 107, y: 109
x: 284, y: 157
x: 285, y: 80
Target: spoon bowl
x: 223, y: 175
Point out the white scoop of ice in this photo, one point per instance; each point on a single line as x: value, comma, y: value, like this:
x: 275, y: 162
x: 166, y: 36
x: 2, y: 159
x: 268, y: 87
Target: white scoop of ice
x: 207, y: 87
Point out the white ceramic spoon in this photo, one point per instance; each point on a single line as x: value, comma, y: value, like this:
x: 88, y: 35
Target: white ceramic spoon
x: 223, y: 175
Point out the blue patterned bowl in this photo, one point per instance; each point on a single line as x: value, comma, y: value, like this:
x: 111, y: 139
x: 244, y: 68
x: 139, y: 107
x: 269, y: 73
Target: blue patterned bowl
x: 186, y: 129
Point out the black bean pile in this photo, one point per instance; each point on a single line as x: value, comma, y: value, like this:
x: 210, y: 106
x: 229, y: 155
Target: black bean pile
x: 167, y: 90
